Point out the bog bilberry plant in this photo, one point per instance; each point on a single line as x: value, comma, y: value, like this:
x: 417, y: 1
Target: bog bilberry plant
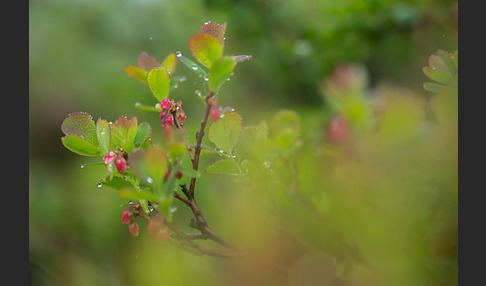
x: 147, y: 174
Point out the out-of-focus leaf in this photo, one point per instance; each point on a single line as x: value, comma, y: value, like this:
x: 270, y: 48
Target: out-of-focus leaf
x: 285, y: 130
x: 455, y: 60
x: 433, y: 87
x: 224, y: 166
x: 219, y: 72
x: 202, y: 73
x: 437, y: 75
x: 215, y: 30
x: 157, y: 165
x: 158, y: 81
x: 147, y: 62
x: 170, y: 62
x: 137, y: 73
x: 103, y: 134
x: 225, y: 132
x: 81, y: 146
x: 143, y: 133
x: 80, y: 124
x: 205, y: 48
x: 136, y: 161
x: 189, y: 172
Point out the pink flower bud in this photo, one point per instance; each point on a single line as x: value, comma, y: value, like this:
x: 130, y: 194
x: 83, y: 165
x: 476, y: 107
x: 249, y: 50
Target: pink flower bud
x: 181, y: 116
x: 166, y: 104
x: 215, y: 113
x: 134, y: 228
x: 110, y: 156
x: 121, y: 164
x: 127, y: 215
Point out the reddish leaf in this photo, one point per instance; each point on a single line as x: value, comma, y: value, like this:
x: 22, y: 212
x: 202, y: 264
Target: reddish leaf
x: 215, y: 30
x: 137, y: 73
x: 147, y: 62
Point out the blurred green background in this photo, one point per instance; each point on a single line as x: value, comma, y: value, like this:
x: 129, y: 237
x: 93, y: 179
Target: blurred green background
x: 397, y: 204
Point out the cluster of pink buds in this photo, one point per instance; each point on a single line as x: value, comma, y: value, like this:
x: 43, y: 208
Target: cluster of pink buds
x: 169, y: 109
x: 120, y: 159
x: 127, y: 218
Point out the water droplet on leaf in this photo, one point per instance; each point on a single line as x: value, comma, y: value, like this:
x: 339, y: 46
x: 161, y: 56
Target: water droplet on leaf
x: 150, y: 180
x: 178, y: 54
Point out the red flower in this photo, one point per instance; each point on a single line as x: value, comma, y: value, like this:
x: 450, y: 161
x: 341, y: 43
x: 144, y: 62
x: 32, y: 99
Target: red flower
x: 215, y: 113
x: 127, y: 215
x: 110, y: 156
x: 120, y: 163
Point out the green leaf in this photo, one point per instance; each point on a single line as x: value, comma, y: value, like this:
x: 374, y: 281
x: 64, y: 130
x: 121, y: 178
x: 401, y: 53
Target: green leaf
x: 205, y: 48
x: 440, y: 63
x: 170, y: 62
x: 455, y: 60
x: 82, y: 125
x: 136, y: 161
x: 132, y: 129
x: 81, y: 146
x: 140, y: 106
x: 433, y: 87
x: 225, y: 132
x: 137, y: 73
x: 437, y: 75
x: 219, y: 72
x: 189, y: 172
x: 158, y: 81
x: 193, y: 67
x: 135, y: 195
x: 143, y: 133
x: 224, y: 166
x: 103, y: 134
x: 127, y: 145
x: 117, y: 183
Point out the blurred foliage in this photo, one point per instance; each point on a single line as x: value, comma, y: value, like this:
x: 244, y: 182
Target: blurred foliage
x: 366, y: 190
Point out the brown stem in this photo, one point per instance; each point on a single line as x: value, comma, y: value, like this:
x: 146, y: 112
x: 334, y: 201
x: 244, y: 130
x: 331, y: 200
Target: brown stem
x: 199, y: 137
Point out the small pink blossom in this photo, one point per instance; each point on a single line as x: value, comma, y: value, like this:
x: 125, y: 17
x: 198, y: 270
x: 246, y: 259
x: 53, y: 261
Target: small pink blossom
x: 127, y: 215
x: 215, y: 113
x: 120, y: 163
x: 110, y: 156
x: 166, y: 104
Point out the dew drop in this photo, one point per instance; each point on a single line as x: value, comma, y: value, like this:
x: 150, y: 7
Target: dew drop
x: 206, y: 78
x: 151, y: 38
x: 130, y: 202
x: 82, y: 166
x: 178, y: 54
x: 267, y: 164
x: 99, y: 184
x: 150, y: 180
x: 150, y: 208
x: 194, y: 68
